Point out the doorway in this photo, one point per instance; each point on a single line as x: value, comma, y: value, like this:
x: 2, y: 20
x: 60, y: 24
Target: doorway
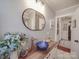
x: 64, y: 32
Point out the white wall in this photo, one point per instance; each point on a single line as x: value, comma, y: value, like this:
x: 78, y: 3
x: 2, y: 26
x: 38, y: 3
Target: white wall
x: 75, y: 32
x: 11, y: 18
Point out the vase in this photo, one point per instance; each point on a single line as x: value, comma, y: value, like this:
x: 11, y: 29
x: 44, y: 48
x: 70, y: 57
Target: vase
x: 14, y: 55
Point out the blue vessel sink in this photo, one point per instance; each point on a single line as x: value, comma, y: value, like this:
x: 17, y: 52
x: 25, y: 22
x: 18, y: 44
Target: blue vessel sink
x: 42, y: 45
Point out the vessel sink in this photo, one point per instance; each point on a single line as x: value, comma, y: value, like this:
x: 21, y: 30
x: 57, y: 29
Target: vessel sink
x: 42, y: 45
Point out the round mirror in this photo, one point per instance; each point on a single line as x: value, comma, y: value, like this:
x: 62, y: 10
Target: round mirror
x: 33, y: 19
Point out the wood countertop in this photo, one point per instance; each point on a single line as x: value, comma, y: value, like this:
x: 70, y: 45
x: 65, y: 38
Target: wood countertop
x: 35, y: 54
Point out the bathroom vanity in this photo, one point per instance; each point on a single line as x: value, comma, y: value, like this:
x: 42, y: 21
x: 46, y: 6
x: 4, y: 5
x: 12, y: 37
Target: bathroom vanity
x: 36, y: 54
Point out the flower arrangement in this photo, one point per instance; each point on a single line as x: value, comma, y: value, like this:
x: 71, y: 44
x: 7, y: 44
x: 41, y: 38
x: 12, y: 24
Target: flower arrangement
x: 10, y: 43
x: 3, y: 49
x: 12, y: 40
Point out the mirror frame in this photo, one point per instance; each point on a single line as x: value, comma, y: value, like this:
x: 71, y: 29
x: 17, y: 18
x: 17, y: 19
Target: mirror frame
x: 27, y: 26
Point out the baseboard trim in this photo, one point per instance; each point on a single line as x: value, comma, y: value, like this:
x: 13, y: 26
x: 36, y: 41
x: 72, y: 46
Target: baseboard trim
x: 64, y: 48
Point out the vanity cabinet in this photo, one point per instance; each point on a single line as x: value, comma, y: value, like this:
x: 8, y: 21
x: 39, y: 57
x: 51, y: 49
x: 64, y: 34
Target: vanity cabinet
x: 49, y: 54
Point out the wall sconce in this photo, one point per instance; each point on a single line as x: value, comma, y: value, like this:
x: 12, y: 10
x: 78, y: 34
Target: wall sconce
x: 40, y: 1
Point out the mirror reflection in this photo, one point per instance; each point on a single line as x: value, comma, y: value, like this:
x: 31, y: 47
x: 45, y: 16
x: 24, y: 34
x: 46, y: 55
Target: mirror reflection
x: 33, y: 19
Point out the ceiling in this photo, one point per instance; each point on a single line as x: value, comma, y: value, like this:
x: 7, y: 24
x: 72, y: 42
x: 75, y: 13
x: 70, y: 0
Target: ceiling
x: 60, y: 4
